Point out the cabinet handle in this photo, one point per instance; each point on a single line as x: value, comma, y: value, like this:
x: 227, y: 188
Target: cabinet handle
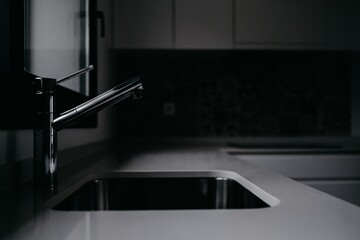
x: 101, y: 16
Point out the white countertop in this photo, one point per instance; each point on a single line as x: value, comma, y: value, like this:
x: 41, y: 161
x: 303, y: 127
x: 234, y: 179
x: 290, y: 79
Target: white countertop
x: 297, y: 212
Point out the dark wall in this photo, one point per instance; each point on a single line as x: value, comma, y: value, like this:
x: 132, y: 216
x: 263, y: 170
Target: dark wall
x: 237, y: 93
x: 4, y: 40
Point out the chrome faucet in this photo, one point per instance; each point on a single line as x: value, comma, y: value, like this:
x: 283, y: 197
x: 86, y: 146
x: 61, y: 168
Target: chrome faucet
x: 48, y: 122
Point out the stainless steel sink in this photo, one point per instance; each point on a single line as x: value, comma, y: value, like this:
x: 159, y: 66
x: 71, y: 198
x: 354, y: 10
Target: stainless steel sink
x: 160, y: 193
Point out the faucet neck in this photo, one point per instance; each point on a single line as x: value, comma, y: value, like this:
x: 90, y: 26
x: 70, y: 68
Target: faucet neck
x: 45, y: 137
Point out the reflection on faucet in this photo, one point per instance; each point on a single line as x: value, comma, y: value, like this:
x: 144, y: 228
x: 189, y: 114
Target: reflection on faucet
x: 131, y: 88
x: 47, y: 122
x: 82, y: 71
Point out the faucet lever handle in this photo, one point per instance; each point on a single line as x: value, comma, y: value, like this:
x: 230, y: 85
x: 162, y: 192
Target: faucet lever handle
x: 82, y: 71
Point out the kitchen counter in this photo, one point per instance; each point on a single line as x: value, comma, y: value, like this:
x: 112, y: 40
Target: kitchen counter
x: 297, y: 211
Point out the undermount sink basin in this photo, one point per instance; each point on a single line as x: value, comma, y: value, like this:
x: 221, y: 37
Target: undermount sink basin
x: 160, y: 193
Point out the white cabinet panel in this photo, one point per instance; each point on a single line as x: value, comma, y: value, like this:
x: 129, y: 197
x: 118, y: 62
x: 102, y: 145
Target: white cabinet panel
x: 143, y: 24
x: 281, y: 22
x: 239, y: 24
x: 203, y: 24
x: 343, y: 25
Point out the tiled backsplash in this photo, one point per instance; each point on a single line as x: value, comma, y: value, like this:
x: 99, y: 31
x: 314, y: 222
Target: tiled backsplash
x: 237, y: 93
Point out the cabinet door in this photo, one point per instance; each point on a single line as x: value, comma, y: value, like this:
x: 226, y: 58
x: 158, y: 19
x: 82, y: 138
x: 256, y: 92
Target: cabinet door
x: 203, y: 24
x: 308, y: 166
x: 343, y: 25
x: 280, y: 23
x: 143, y: 24
x: 347, y: 190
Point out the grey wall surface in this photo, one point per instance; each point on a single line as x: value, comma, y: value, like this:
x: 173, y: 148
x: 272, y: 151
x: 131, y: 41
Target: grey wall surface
x: 57, y: 39
x: 356, y: 97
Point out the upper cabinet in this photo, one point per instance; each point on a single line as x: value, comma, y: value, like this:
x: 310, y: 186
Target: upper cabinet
x: 343, y: 25
x: 203, y: 24
x: 237, y: 24
x: 280, y: 23
x: 143, y: 24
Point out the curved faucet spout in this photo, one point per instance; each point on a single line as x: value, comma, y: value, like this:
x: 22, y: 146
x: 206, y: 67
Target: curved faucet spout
x: 130, y: 88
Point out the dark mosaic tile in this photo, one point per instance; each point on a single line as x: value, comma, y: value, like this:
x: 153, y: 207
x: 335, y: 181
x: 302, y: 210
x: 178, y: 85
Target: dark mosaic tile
x: 237, y: 93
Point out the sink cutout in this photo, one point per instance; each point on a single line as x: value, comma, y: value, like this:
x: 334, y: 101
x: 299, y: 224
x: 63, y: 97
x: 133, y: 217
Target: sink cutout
x: 160, y: 193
